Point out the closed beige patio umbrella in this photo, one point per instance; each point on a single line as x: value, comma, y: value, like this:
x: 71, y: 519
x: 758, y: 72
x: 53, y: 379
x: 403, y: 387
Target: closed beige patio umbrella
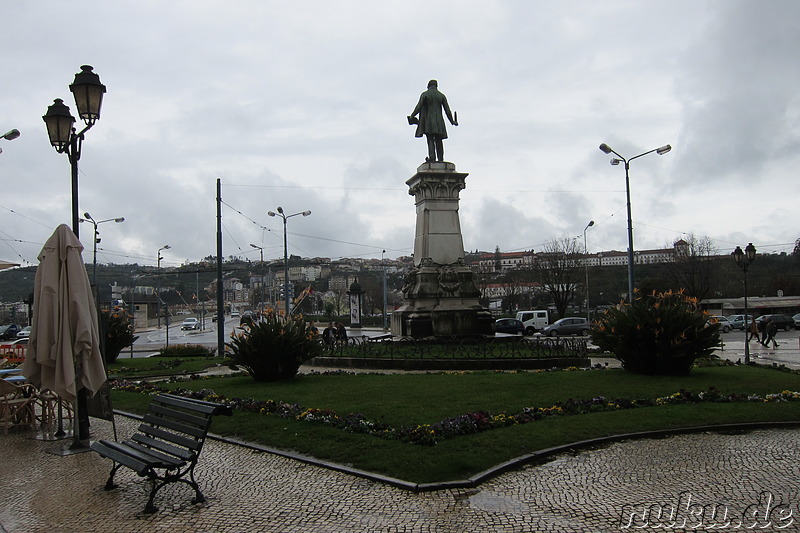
x: 64, y: 347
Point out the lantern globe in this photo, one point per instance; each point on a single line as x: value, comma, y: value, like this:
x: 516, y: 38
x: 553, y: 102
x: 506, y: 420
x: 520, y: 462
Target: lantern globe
x: 59, y: 122
x: 88, y: 93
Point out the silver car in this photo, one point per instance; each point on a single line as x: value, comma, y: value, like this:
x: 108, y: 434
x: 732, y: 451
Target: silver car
x: 190, y: 323
x: 737, y: 321
x: 724, y: 324
x: 568, y: 326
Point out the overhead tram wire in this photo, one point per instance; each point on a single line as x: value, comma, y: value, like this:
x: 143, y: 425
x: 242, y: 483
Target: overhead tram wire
x: 304, y: 235
x: 232, y: 237
x: 25, y: 216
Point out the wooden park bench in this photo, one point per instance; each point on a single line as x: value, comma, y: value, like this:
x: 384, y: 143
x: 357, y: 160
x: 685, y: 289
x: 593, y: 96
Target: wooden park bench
x: 167, y: 446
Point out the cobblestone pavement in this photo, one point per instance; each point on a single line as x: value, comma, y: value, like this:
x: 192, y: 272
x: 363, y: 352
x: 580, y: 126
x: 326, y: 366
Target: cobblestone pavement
x: 613, y: 488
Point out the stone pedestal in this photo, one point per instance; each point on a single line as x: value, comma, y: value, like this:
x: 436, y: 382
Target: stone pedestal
x: 441, y: 298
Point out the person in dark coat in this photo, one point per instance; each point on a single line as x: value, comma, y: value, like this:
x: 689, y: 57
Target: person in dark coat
x: 329, y: 334
x: 772, y: 330
x: 341, y: 333
x: 762, y: 331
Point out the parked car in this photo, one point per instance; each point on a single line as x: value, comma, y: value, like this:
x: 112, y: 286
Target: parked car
x: 213, y: 318
x: 15, y: 342
x: 737, y: 321
x: 796, y: 319
x: 533, y: 320
x: 234, y: 313
x: 509, y: 325
x: 724, y: 324
x: 567, y: 326
x: 781, y: 321
x: 190, y: 323
x: 24, y: 333
x: 9, y: 331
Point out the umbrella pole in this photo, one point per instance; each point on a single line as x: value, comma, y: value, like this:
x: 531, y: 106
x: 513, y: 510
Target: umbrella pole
x: 80, y: 427
x: 60, y: 432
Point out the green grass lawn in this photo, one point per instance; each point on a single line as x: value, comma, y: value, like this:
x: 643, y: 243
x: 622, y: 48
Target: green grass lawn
x: 413, y: 399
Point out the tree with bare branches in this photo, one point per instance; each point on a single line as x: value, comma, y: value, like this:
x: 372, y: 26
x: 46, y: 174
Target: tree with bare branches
x: 692, y: 265
x: 559, y: 267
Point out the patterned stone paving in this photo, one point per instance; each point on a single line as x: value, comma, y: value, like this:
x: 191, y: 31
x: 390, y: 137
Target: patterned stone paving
x: 616, y: 488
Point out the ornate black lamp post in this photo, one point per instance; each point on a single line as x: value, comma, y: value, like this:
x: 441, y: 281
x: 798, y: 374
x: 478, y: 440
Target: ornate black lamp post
x: 743, y: 259
x: 284, y: 216
x: 88, y: 93
x: 608, y: 150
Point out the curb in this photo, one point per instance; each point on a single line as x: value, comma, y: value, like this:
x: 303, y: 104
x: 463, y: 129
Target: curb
x: 537, y: 457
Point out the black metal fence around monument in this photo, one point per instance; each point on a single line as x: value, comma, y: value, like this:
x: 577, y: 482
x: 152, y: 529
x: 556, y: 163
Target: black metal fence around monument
x: 456, y: 352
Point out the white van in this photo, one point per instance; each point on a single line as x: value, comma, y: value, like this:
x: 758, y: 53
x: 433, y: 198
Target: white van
x: 533, y: 320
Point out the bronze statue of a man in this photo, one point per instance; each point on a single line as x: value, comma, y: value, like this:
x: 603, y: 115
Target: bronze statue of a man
x: 430, y: 122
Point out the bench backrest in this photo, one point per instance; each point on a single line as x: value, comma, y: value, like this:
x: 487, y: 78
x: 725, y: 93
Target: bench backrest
x: 177, y: 426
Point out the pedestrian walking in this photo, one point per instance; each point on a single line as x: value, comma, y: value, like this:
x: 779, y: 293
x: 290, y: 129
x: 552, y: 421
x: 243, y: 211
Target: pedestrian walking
x: 753, y: 327
x: 762, y: 331
x: 772, y: 330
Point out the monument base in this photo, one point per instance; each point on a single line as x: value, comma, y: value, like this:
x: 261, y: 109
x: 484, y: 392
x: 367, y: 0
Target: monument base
x: 441, y: 301
x: 419, y: 323
x: 441, y: 298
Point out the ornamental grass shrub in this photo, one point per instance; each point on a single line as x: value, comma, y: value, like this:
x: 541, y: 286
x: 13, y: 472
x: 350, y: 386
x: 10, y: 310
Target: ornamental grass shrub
x: 658, y: 334
x: 274, y: 347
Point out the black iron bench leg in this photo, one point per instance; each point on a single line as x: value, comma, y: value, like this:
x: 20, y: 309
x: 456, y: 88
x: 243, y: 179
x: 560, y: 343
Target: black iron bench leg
x: 198, y: 496
x: 150, y: 508
x: 110, y: 483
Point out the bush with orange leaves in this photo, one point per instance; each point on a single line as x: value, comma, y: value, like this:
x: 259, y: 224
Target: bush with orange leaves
x: 659, y: 334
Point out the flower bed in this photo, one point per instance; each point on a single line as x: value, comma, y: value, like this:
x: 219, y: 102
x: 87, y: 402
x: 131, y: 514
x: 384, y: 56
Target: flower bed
x: 466, y: 424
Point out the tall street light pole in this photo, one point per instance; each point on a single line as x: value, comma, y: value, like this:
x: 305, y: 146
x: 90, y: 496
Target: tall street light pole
x: 88, y: 218
x: 385, y: 318
x: 284, y: 216
x: 608, y: 150
x: 261, y: 295
x: 10, y: 136
x: 158, y: 285
x: 88, y: 92
x: 586, y: 265
x: 743, y: 259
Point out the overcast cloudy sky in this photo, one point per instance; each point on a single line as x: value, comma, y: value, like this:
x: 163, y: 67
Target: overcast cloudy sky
x: 303, y: 105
